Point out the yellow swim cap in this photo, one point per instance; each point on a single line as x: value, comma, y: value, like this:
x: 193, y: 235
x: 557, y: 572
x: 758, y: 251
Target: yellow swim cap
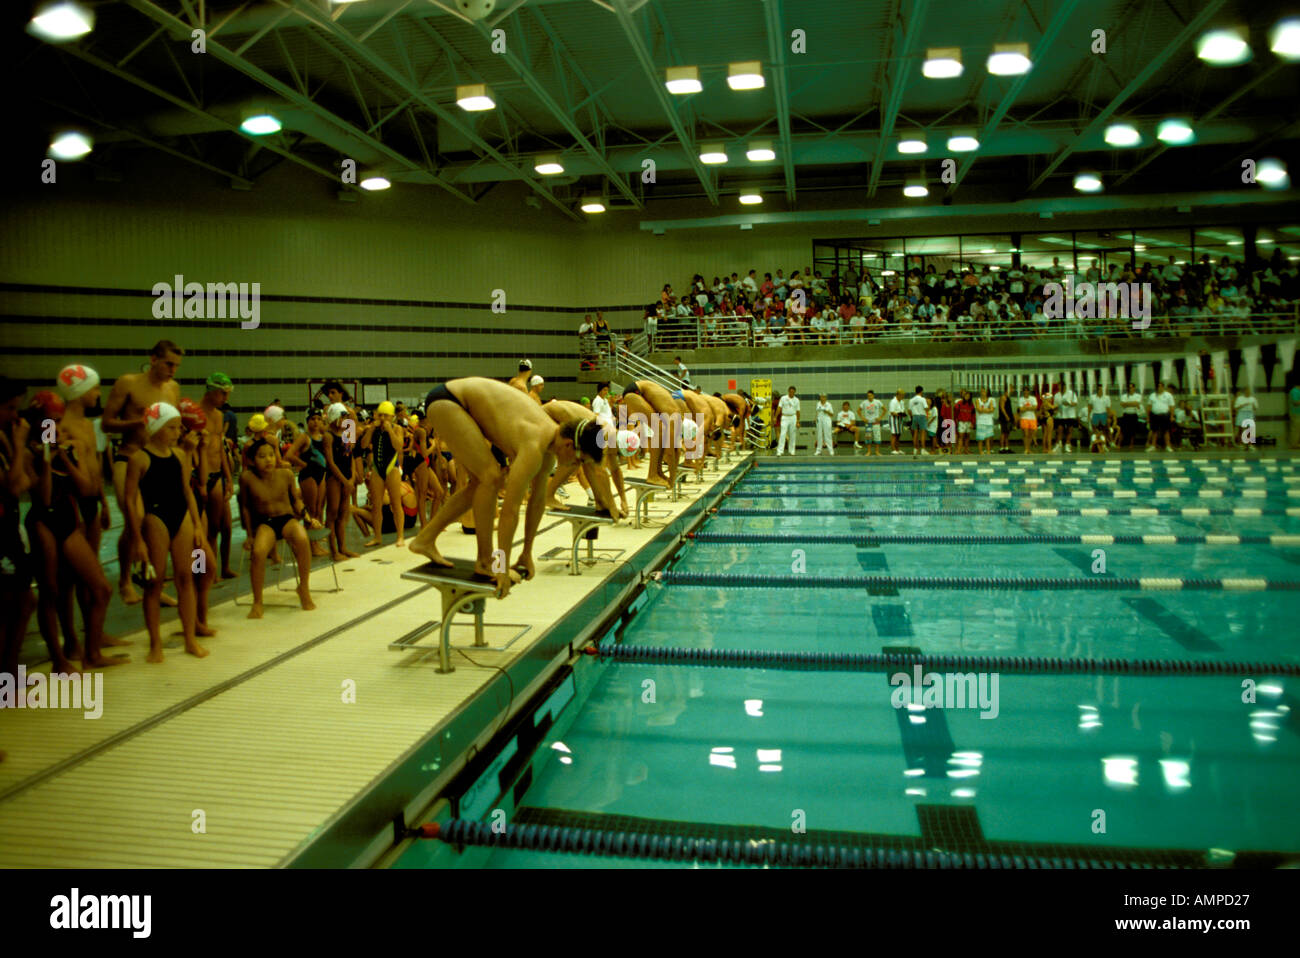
x: 257, y: 423
x: 385, y: 409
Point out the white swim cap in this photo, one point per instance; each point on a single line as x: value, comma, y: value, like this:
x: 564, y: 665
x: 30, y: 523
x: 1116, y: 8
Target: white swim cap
x: 159, y: 415
x: 536, y: 381
x: 629, y: 442
x: 336, y: 412
x: 689, y: 430
x: 76, y: 381
x: 273, y: 414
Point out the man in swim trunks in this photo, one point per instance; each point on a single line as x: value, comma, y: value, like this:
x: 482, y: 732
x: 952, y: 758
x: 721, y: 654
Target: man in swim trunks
x: 520, y: 379
x: 471, y: 414
x: 598, y: 473
x: 740, y: 407
x: 214, y: 467
x: 132, y: 394
x: 535, y: 386
x: 650, y: 403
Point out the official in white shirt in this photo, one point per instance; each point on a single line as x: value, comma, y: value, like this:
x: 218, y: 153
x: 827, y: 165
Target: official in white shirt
x: 789, y: 407
x: 1160, y: 404
x: 825, y: 417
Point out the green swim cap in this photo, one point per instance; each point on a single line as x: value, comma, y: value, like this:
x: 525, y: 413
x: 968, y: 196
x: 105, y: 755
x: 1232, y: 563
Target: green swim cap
x: 585, y: 399
x: 220, y: 381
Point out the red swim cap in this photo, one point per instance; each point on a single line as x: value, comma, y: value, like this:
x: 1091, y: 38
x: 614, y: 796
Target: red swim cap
x: 193, y: 418
x: 49, y: 403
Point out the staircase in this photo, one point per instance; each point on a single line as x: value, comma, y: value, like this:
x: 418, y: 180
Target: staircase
x: 625, y: 365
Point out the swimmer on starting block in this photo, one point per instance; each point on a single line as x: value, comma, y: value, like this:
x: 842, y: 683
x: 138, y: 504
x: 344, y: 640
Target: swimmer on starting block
x: 647, y: 404
x: 597, y: 473
x: 471, y: 415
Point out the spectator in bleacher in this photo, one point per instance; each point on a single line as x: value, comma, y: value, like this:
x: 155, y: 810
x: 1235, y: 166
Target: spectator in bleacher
x: 780, y: 287
x: 751, y: 285
x: 833, y: 327
x: 651, y: 329
x: 767, y: 287
x: 817, y: 327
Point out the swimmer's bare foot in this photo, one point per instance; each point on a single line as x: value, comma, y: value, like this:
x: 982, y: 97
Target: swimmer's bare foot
x: 430, y: 552
x: 256, y: 611
x: 515, y: 577
x: 196, y: 650
x: 102, y: 661
x: 227, y: 574
x: 127, y: 591
x: 319, y: 549
x: 339, y: 556
x: 656, y: 480
x: 167, y: 600
x: 304, y: 599
x: 63, y: 667
x: 113, y: 641
x: 555, y: 504
x: 155, y: 655
x: 206, y: 631
x: 372, y: 542
x: 73, y: 650
x: 352, y: 555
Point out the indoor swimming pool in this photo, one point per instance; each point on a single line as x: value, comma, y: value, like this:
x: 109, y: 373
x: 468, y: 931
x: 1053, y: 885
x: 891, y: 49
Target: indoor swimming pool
x: 1113, y: 653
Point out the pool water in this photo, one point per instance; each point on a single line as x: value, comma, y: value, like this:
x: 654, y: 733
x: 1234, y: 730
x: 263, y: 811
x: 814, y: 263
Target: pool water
x: 1152, y: 768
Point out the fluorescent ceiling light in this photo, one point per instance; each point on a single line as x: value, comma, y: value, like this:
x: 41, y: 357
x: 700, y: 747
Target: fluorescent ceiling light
x: 1123, y: 134
x: 593, y: 204
x: 745, y: 76
x: 942, y: 63
x: 57, y: 22
x: 916, y: 188
x: 548, y: 165
x: 1264, y: 242
x: 912, y: 143
x: 760, y: 151
x: 963, y: 143
x: 1284, y: 40
x: 1175, y: 131
x: 1224, y: 47
x: 70, y: 146
x: 713, y: 153
x: 751, y: 199
x: 1009, y: 59
x: 375, y: 183
x: 987, y: 251
x: 260, y: 124
x: 1087, y: 182
x: 474, y: 98
x: 1271, y: 172
x: 680, y: 80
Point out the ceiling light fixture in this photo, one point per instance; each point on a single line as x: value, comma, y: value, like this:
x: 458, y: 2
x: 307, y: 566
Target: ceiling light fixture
x: 682, y: 80
x: 474, y: 98
x: 746, y: 76
x: 942, y: 63
x: 1009, y: 59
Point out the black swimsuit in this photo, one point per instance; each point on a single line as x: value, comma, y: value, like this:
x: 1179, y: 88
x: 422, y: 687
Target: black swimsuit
x: 342, y: 456
x: 15, y: 568
x: 275, y: 523
x: 60, y: 516
x: 440, y: 392
x: 160, y: 488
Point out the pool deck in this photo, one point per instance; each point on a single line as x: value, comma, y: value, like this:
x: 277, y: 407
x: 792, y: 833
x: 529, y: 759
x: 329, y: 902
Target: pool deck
x: 241, y: 758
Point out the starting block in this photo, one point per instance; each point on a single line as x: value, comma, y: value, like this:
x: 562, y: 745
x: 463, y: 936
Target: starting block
x: 585, y: 523
x: 461, y: 588
x: 645, y: 493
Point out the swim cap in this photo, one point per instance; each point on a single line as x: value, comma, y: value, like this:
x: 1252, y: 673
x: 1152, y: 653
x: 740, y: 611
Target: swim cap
x: 220, y: 381
x: 525, y: 364
x: 629, y: 442
x: 49, y: 403
x: 385, y: 409
x: 257, y: 422
x: 336, y: 412
x: 274, y: 414
x: 76, y: 381
x: 536, y: 381
x: 193, y: 418
x: 413, y: 419
x: 159, y: 415
x: 689, y: 430
x: 585, y: 401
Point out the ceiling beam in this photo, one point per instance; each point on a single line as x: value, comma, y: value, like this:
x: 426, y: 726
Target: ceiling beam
x: 1203, y: 17
x: 780, y: 90
x: 1213, y: 112
x: 622, y: 10
x: 912, y: 22
x: 563, y: 118
x: 231, y: 59
x: 373, y: 61
x: 1037, y: 55
x: 216, y: 121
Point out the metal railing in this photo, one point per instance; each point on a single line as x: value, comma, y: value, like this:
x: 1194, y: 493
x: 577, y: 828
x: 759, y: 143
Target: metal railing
x: 715, y: 331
